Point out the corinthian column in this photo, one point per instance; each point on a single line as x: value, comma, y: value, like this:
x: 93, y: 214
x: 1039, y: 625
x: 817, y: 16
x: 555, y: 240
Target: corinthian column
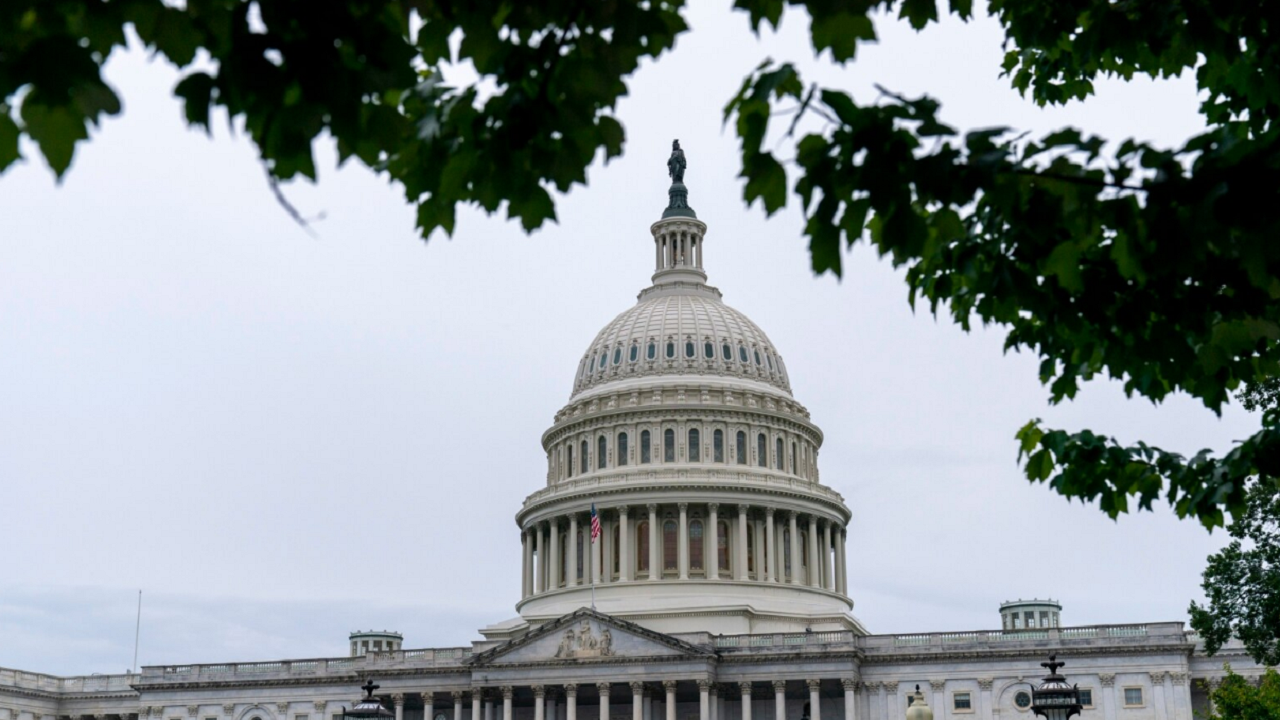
x: 655, y: 572
x: 740, y: 567
x: 770, y: 548
x: 539, y: 702
x: 624, y: 545
x: 539, y: 575
x: 573, y: 551
x: 814, y: 569
x: 828, y: 577
x: 637, y: 701
x: 603, y: 689
x: 682, y: 546
x: 554, y: 574
x: 713, y: 566
x: 571, y: 701
x: 795, y: 548
x: 507, y: 693
x: 745, y: 687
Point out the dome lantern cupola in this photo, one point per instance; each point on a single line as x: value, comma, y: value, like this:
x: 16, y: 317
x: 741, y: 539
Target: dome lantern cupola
x: 678, y: 236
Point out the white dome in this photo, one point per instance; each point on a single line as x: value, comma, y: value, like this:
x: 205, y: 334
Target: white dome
x: 680, y: 330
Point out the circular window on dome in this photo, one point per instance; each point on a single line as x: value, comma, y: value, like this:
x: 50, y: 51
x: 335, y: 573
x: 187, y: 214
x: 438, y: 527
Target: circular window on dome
x: 1022, y: 699
x: 727, y: 352
x: 688, y: 348
x: 635, y: 353
x: 742, y: 353
x: 617, y: 355
x: 652, y: 352
x: 709, y: 350
x: 671, y: 349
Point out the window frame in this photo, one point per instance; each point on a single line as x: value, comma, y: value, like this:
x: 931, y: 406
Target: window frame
x: 623, y: 444
x: 1082, y: 702
x: 968, y: 698
x: 694, y: 442
x: 1142, y: 696
x: 646, y: 447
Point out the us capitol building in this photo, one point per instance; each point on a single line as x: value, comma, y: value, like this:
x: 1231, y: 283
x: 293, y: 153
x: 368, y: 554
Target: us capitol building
x: 719, y: 575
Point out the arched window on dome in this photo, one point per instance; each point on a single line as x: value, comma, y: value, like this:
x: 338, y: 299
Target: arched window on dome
x: 697, y: 541
x: 741, y: 448
x: 757, y: 354
x: 652, y: 351
x: 726, y: 352
x: 689, y: 351
x: 635, y: 353
x: 642, y: 547
x: 742, y: 353
x: 762, y: 451
x: 708, y: 350
x: 793, y: 458
x: 617, y: 355
x: 780, y: 455
x: 604, y: 357
x: 717, y: 446
x: 616, y: 551
x: 583, y: 463
x: 645, y: 455
x: 622, y: 449
x: 695, y: 445
x: 724, y: 558
x: 570, y: 463
x: 768, y: 360
x: 602, y: 452
x: 670, y: 541
x: 669, y: 445
x: 671, y: 349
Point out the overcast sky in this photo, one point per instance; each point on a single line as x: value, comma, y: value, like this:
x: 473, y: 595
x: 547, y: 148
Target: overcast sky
x: 282, y: 438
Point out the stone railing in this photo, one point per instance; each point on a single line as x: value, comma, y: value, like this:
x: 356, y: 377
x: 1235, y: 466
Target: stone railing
x: 73, y: 684
x: 407, y: 659
x: 717, y: 474
x: 1171, y: 632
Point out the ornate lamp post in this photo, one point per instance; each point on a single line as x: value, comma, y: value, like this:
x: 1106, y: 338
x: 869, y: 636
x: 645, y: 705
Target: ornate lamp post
x: 1055, y: 699
x: 369, y: 707
x: 919, y: 708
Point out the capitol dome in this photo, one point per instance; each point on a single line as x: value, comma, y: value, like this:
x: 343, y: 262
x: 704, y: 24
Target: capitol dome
x: 682, y: 489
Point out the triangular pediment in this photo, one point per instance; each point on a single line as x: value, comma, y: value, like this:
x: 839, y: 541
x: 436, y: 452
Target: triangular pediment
x: 587, y: 636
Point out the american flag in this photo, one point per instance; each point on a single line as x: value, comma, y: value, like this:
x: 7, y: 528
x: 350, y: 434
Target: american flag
x: 595, y: 523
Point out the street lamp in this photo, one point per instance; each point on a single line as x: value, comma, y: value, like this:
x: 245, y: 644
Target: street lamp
x: 369, y: 707
x: 1055, y: 699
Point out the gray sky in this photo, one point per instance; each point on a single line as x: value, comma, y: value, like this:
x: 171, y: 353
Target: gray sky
x: 200, y: 400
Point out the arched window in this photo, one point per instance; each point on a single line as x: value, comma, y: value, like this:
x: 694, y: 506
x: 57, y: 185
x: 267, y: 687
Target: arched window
x: 708, y: 350
x: 644, y: 447
x: 671, y: 349
x: 604, y: 357
x: 742, y: 448
x: 669, y: 543
x: 726, y: 352
x: 669, y: 445
x: 742, y: 353
x: 570, y: 459
x: 762, y: 451
x: 780, y: 455
x: 751, y: 548
x: 695, y: 445
x: 622, y: 448
x: 786, y: 552
x: 642, y: 546
x: 652, y: 351
x: 696, y: 544
x: 617, y: 355
x: 688, y: 348
x: 717, y: 446
x: 602, y: 452
x: 724, y: 557
x: 757, y: 354
x: 793, y: 458
x: 617, y: 551
x: 583, y: 463
x: 635, y: 353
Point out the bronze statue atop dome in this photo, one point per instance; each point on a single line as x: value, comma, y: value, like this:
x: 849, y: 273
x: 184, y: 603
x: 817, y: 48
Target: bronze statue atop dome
x: 676, y: 163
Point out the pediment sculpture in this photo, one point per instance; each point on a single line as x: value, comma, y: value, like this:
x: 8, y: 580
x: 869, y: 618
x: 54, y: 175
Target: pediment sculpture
x: 584, y: 643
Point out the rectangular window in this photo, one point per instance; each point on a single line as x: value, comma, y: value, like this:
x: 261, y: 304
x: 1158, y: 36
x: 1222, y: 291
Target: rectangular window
x: 669, y: 445
x: 1133, y: 697
x: 300, y: 717
x: 644, y: 447
x: 1086, y: 697
x: 961, y: 702
x: 717, y: 447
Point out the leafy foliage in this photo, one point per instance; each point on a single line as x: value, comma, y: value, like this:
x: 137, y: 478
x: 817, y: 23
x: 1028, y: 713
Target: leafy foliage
x: 1238, y: 699
x: 293, y: 70
x: 1242, y: 583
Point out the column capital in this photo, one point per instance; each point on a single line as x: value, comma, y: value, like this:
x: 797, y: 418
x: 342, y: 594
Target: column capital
x: 194, y: 710
x: 571, y: 690
x: 792, y: 515
x: 508, y: 692
x: 1179, y: 678
x: 891, y: 686
x: 1157, y: 678
x: 743, y: 509
x: 713, y: 507
x: 669, y: 685
x: 813, y: 684
x: 768, y: 513
x: 397, y: 698
x: 779, y: 685
x: 230, y: 708
x: 539, y: 691
x: 1211, y: 683
x: 622, y: 510
x: 937, y: 685
x: 849, y: 684
x: 281, y: 707
x: 1107, y: 679
x: 637, y: 687
x: 603, y: 688
x: 704, y: 686
x: 872, y: 686
x: 745, y: 687
x: 682, y: 506
x: 985, y: 683
x: 456, y: 695
x: 652, y: 508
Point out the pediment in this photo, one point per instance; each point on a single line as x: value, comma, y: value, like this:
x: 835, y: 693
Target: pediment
x: 588, y: 636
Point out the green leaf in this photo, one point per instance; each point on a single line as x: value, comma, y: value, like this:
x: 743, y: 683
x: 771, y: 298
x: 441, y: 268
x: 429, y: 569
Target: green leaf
x: 56, y: 129
x: 919, y: 12
x: 1064, y: 263
x: 766, y: 181
x: 196, y: 92
x: 840, y: 32
x: 9, y: 133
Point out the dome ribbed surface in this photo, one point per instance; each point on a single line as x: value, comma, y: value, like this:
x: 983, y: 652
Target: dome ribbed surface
x: 654, y: 338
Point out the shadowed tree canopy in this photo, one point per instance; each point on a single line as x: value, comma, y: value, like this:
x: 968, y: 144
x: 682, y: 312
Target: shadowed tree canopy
x: 1236, y: 698
x: 1157, y: 266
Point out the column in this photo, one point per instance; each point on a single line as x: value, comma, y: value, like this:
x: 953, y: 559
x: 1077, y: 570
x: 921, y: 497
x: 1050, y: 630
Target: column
x: 940, y: 706
x: 779, y: 700
x: 553, y: 710
x: 595, y: 557
x: 984, y: 697
x: 1108, y: 681
x: 713, y: 559
x: 539, y: 702
x: 682, y: 542
x: 850, y: 698
x: 814, y: 698
x: 828, y: 577
x: 1158, y: 703
x: 488, y: 706
x: 875, y: 708
x: 704, y: 700
x: 319, y: 705
x: 1181, y: 695
x: 624, y: 545
x: 815, y: 572
x: 714, y: 698
x: 477, y: 695
x: 770, y: 549
x: 648, y: 704
x: 527, y: 555
x: 539, y: 577
x: 571, y: 702
x: 740, y: 564
x: 637, y: 701
x: 795, y: 548
x: 891, y: 700
x: 507, y: 693
x: 604, y: 700
x: 655, y: 572
x: 745, y: 687
x: 554, y: 574
x: 670, y: 687
x: 457, y: 704
x: 397, y: 701
x: 842, y: 566
x: 1211, y: 685
x: 573, y: 551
